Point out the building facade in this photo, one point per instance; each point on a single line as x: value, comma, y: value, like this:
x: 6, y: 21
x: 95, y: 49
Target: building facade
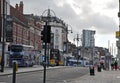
x: 88, y: 39
x: 26, y: 28
x: 58, y: 31
x: 22, y: 29
x: 88, y: 45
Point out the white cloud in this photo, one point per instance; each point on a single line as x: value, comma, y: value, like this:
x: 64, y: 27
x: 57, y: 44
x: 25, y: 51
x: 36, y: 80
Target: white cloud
x: 100, y: 15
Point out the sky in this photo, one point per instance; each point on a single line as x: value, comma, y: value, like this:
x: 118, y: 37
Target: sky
x: 98, y: 15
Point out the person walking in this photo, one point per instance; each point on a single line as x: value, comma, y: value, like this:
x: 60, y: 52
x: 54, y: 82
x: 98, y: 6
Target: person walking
x: 112, y: 66
x: 116, y: 65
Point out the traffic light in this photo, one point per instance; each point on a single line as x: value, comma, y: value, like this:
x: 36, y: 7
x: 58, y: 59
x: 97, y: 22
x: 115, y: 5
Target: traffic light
x: 43, y: 35
x: 46, y: 34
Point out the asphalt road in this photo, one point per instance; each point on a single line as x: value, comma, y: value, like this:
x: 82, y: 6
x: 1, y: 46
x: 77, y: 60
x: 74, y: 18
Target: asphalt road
x: 61, y: 75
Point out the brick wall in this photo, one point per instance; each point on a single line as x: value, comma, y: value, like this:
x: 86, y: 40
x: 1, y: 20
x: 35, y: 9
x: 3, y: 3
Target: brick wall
x: 22, y: 34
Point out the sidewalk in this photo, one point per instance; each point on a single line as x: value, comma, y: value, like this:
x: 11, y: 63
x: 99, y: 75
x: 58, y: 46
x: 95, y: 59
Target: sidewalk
x: 8, y: 71
x: 100, y: 77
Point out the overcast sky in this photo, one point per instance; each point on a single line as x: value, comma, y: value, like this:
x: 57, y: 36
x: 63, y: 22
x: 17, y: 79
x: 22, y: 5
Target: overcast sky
x: 98, y: 15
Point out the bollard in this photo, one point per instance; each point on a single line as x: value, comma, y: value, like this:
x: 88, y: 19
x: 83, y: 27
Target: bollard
x: 15, y: 68
x: 99, y: 68
x: 92, y: 71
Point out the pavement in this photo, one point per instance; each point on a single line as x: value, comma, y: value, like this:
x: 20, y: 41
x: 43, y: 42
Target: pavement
x: 105, y: 76
x: 8, y: 71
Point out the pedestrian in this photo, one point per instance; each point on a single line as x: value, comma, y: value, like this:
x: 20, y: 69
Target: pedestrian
x: 102, y: 65
x: 116, y: 65
x: 112, y: 66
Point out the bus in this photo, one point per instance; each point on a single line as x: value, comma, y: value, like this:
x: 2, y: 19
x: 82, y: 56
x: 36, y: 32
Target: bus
x: 75, y: 62
x: 23, y: 54
x: 56, y: 58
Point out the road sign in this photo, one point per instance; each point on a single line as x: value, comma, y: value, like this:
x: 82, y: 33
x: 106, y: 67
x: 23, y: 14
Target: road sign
x: 43, y: 58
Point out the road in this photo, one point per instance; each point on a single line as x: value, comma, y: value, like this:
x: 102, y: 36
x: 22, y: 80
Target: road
x: 61, y: 75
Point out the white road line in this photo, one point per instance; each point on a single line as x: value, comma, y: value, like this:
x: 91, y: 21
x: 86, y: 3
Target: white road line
x: 65, y: 81
x: 118, y: 76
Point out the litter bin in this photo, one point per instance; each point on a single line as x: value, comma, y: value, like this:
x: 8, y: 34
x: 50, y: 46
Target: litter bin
x: 92, y: 71
x: 99, y: 68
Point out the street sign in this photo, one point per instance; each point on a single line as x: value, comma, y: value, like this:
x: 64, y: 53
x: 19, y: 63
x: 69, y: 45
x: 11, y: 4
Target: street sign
x: 43, y: 58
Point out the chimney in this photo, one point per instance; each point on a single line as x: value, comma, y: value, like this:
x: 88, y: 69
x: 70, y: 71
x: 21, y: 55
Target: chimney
x: 21, y: 6
x: 16, y: 6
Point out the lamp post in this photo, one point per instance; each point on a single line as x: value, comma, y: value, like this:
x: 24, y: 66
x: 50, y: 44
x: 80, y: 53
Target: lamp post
x: 69, y: 29
x: 67, y: 36
x: 77, y: 38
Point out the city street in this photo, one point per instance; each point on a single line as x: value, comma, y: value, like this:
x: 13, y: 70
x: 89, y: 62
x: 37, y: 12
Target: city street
x: 55, y: 75
x: 59, y: 41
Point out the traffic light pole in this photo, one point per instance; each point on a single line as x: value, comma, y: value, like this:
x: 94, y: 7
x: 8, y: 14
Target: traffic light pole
x: 44, y: 79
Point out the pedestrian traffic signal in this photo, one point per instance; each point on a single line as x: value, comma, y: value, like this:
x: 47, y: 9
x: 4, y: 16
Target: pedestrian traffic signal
x: 46, y: 34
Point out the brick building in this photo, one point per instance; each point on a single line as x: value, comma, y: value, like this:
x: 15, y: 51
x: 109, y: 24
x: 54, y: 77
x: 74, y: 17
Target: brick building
x: 26, y: 28
x: 20, y: 28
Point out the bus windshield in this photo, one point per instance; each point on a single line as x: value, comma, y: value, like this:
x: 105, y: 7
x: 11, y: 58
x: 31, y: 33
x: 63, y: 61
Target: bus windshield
x: 16, y: 48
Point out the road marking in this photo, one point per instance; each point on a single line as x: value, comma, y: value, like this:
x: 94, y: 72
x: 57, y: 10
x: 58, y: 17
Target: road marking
x: 118, y: 76
x: 65, y: 81
x: 9, y: 75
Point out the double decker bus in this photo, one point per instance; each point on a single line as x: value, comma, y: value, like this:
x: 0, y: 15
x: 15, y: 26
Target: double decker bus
x: 23, y: 54
x: 56, y: 57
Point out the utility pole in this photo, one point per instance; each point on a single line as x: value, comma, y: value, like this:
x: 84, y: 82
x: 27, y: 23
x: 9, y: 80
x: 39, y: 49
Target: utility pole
x: 3, y: 36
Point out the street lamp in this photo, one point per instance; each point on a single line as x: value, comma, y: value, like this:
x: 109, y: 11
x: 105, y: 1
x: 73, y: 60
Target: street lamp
x: 69, y: 29
x: 67, y: 36
x: 77, y: 38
